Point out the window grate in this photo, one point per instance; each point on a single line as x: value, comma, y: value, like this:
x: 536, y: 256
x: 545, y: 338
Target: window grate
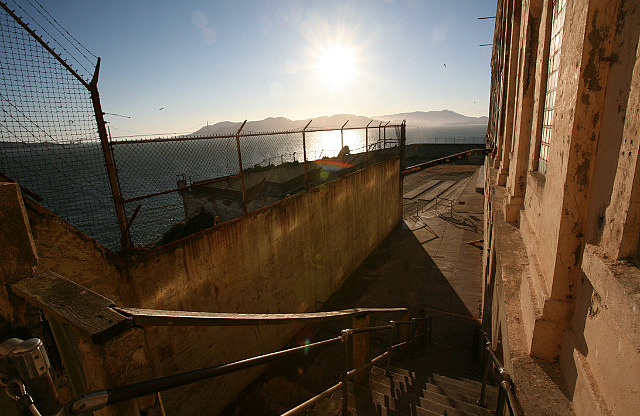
x: 552, y: 82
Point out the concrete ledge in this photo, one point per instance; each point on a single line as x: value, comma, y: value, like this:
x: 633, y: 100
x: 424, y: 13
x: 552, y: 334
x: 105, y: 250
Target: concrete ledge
x: 618, y: 284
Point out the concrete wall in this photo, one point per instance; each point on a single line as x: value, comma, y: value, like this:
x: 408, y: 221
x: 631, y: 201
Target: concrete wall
x: 579, y: 221
x: 286, y: 257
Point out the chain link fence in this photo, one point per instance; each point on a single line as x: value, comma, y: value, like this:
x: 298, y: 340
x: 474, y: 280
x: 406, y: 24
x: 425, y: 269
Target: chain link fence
x: 49, y: 141
x: 147, y: 192
x: 173, y: 187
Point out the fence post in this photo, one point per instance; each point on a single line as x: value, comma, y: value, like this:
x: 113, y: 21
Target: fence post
x: 403, y: 149
x: 304, y: 154
x: 342, y: 134
x: 384, y: 133
x: 366, y: 140
x: 360, y: 344
x: 244, y: 192
x: 125, y: 239
x: 379, y: 134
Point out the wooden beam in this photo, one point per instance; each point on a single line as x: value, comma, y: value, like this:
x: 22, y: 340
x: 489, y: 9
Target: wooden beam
x: 155, y: 317
x: 69, y: 303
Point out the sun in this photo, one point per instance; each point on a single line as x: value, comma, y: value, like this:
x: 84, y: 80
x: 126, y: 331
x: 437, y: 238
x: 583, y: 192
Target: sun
x: 337, y: 65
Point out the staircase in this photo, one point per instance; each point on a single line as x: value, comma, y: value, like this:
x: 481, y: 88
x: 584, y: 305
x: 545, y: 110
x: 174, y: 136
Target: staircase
x: 407, y: 390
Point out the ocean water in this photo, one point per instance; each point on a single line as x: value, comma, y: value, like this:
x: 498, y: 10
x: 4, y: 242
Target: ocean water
x: 72, y: 181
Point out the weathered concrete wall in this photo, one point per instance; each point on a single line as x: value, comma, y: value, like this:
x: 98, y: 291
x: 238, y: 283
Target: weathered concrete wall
x: 286, y: 257
x: 282, y: 258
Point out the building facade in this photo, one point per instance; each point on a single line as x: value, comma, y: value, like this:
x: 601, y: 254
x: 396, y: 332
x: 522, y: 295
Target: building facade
x: 562, y: 284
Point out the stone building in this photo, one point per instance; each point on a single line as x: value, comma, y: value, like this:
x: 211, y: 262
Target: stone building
x: 563, y: 203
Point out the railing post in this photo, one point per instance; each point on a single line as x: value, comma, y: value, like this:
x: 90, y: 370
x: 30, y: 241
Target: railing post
x: 501, y: 398
x: 346, y: 338
x: 392, y: 333
x: 304, y: 154
x: 379, y: 134
x: 360, y: 348
x: 404, y: 331
x: 482, y: 401
x: 244, y: 192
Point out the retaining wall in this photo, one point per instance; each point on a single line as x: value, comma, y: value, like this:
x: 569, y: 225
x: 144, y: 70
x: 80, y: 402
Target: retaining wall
x: 286, y: 257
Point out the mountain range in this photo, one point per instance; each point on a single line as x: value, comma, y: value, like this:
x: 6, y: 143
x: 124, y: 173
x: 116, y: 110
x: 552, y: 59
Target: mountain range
x: 414, y: 119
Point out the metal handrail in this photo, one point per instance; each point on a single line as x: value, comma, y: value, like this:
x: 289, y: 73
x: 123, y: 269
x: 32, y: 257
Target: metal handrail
x: 349, y: 374
x: 506, y: 394
x: 99, y: 399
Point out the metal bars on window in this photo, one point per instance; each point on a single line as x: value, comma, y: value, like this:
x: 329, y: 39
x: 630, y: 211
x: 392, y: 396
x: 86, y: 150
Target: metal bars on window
x: 552, y: 82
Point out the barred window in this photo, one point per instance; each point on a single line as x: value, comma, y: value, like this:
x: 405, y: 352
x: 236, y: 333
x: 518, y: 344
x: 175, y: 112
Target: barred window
x: 552, y: 81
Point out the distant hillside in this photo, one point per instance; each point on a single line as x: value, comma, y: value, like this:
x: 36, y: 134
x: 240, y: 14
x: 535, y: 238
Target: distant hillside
x: 415, y: 119
x: 435, y: 118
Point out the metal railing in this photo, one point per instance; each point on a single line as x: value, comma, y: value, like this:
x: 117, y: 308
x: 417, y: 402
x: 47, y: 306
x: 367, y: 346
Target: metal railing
x: 99, y: 399
x: 506, y: 394
x: 355, y: 364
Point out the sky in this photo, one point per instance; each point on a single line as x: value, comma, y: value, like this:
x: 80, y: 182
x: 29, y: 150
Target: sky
x: 174, y: 66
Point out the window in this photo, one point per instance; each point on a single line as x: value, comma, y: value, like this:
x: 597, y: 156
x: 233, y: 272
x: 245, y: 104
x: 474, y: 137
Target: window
x: 557, y: 25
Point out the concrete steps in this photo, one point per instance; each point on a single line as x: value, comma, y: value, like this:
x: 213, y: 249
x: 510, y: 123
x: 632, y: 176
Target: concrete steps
x: 405, y: 392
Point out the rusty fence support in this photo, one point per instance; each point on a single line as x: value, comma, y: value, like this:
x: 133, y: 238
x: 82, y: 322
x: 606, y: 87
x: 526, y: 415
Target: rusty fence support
x: 384, y: 136
x: 304, y: 153
x: 366, y: 140
x: 125, y: 239
x: 342, y: 134
x: 403, y: 147
x: 379, y: 134
x: 242, y: 187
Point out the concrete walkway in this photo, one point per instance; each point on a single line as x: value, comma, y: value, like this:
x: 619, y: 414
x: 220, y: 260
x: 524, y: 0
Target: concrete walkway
x: 425, y: 262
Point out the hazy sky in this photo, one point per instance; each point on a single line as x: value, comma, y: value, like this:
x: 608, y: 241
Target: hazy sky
x: 210, y: 61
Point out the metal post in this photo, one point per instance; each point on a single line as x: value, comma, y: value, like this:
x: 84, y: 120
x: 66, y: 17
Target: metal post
x: 366, y: 140
x: 346, y: 338
x: 244, y: 192
x: 360, y: 354
x: 125, y: 239
x: 403, y: 142
x: 390, y: 346
x: 342, y: 135
x: 482, y: 401
x: 379, y: 126
x: 384, y: 135
x: 304, y: 152
x: 501, y: 399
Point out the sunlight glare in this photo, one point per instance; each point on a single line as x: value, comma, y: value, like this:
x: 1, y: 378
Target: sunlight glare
x: 337, y: 65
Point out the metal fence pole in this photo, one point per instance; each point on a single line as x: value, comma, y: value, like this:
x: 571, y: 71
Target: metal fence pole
x: 244, y: 192
x: 366, y: 140
x: 379, y: 134
x: 384, y: 136
x: 304, y: 153
x: 403, y: 142
x: 342, y: 134
x: 125, y: 239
